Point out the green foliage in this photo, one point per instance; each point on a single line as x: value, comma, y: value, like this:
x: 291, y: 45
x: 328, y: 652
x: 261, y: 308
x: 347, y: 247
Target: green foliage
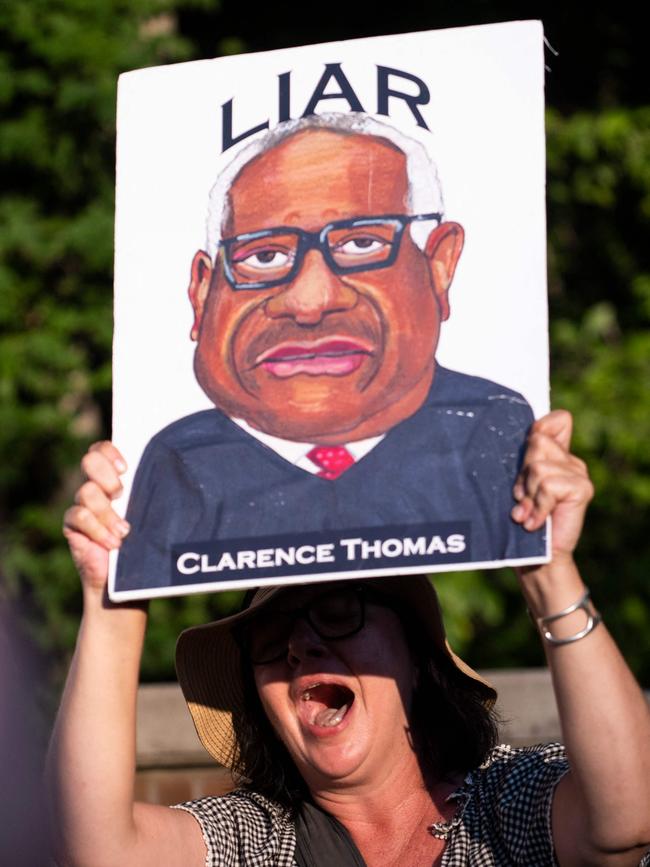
x: 601, y: 348
x: 599, y: 288
x: 59, y: 61
x: 602, y: 292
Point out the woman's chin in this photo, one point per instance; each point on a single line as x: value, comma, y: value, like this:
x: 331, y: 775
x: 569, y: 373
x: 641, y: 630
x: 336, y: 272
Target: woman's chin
x: 334, y: 770
x: 336, y: 760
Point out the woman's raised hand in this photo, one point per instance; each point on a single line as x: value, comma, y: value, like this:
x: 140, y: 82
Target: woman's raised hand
x: 553, y: 482
x: 91, y: 526
x: 91, y: 768
x: 606, y: 741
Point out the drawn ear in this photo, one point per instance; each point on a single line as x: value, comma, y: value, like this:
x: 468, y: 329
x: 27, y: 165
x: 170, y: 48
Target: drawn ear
x: 443, y: 249
x: 199, y: 288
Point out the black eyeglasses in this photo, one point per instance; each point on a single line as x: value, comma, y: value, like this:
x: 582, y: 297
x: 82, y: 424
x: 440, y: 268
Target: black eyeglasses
x: 333, y: 615
x: 261, y: 260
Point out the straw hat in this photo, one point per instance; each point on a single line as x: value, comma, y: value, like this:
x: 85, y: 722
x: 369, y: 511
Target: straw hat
x: 208, y: 659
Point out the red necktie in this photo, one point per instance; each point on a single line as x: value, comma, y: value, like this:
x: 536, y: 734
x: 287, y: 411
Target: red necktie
x: 333, y: 460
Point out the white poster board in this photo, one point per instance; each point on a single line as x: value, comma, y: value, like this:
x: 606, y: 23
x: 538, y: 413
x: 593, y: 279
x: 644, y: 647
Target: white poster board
x: 310, y: 307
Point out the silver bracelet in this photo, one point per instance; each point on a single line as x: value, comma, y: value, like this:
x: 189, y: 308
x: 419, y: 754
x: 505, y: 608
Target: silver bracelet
x: 593, y: 619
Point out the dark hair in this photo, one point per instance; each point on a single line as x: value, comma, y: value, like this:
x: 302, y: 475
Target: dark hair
x: 453, y: 726
x: 263, y: 763
x: 453, y: 723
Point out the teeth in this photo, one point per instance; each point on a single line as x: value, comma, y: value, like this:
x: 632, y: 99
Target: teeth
x: 331, y: 716
x: 306, y: 696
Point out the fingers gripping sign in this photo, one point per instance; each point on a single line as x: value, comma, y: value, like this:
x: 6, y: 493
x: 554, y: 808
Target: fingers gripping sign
x: 552, y: 482
x: 91, y: 526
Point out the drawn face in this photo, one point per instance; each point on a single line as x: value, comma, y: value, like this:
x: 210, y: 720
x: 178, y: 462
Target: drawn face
x: 330, y: 355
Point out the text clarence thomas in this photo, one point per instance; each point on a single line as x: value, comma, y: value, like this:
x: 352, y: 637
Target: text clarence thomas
x: 417, y: 545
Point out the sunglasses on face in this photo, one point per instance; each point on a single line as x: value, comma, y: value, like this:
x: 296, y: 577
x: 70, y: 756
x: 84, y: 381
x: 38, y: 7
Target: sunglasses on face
x: 261, y: 260
x: 333, y: 615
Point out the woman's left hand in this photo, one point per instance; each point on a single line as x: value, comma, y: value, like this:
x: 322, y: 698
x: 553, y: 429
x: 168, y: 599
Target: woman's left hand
x: 553, y: 482
x: 606, y: 741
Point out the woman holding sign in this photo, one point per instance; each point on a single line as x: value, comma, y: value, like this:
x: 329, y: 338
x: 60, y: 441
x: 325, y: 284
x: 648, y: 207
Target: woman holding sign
x: 357, y: 735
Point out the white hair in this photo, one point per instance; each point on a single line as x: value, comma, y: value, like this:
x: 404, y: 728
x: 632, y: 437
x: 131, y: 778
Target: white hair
x: 424, y: 193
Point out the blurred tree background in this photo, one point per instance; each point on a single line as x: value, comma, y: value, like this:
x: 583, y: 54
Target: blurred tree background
x: 59, y: 61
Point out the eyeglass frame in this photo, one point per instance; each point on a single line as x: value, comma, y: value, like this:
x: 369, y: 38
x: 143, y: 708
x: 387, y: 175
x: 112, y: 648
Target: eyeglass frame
x: 364, y: 595
x: 318, y: 241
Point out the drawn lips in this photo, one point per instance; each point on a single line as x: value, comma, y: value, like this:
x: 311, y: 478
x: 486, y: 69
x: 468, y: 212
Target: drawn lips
x: 334, y: 356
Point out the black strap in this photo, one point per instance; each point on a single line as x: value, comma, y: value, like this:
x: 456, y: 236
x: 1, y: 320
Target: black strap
x: 322, y: 841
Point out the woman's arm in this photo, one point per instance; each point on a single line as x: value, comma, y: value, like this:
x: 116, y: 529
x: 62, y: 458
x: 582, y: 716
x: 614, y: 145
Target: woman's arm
x: 601, y: 809
x: 91, y: 766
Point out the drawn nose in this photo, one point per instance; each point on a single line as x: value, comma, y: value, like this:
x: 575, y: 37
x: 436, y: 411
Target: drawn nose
x: 312, y: 294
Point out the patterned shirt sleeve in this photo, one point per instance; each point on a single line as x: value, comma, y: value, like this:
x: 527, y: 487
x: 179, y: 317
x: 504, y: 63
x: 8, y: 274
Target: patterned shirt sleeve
x: 244, y: 828
x: 513, y: 795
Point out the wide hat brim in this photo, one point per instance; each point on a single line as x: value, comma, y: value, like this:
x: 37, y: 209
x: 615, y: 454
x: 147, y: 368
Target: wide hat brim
x: 209, y: 664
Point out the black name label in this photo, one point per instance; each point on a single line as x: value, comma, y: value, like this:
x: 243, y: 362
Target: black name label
x: 368, y: 548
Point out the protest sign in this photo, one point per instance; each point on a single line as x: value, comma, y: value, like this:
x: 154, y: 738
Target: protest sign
x: 330, y: 309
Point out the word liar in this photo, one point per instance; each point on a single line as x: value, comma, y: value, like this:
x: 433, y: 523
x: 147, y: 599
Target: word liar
x: 387, y: 89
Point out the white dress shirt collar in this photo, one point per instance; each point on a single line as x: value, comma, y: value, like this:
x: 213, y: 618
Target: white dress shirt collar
x: 296, y: 453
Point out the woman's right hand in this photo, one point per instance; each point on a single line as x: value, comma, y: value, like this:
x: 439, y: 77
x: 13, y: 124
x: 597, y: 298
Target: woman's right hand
x: 92, y: 760
x: 91, y: 526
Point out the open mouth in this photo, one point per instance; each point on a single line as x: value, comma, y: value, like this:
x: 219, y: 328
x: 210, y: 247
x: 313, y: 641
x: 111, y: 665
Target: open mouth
x: 326, y: 703
x: 336, y: 356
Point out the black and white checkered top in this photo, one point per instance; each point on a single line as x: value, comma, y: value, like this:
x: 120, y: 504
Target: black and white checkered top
x: 503, y: 817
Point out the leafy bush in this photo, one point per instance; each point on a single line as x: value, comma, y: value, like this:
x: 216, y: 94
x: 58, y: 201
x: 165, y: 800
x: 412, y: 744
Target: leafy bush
x: 59, y: 62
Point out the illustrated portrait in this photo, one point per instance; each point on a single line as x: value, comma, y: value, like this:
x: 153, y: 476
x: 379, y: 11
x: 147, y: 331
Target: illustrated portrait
x: 334, y: 440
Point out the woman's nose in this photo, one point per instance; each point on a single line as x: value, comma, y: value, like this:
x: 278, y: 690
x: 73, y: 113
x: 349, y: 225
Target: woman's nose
x: 304, y: 642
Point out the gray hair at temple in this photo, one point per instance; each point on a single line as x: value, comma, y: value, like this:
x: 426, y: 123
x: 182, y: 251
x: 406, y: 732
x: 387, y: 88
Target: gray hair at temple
x: 424, y: 194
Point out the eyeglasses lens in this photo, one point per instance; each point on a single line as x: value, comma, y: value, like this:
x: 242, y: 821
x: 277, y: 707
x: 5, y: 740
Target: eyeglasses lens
x: 333, y: 615
x: 336, y: 614
x: 274, y: 254
x: 267, y: 636
x: 267, y: 258
x: 357, y: 246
